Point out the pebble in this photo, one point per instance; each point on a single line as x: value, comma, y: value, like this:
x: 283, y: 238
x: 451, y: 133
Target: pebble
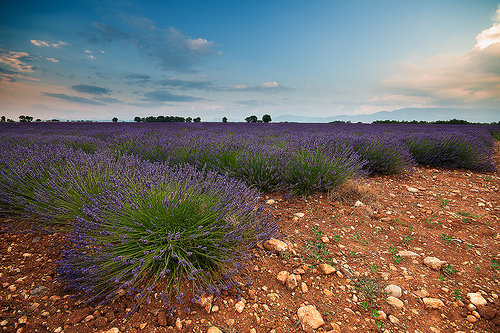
x: 433, y: 303
x: 395, y: 302
x: 410, y: 254
x: 310, y: 317
x: 471, y: 318
x: 275, y: 245
x: 299, y: 215
x: 433, y: 263
x: 393, y: 319
x: 240, y: 306
x: 412, y: 190
x: 327, y: 269
x: 476, y: 299
x: 291, y: 282
x: 282, y: 276
x: 393, y: 290
x: 213, y: 329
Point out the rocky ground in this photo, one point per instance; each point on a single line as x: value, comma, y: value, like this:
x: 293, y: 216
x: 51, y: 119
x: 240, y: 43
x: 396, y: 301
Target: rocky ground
x: 412, y: 253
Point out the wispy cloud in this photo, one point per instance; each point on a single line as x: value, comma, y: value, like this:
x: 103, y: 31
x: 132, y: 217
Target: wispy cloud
x: 470, y: 77
x: 94, y: 90
x: 42, y: 43
x: 73, y: 99
x: 165, y: 96
x: 268, y: 87
x: 16, y: 60
x: 169, y: 47
x: 52, y: 59
x: 253, y: 102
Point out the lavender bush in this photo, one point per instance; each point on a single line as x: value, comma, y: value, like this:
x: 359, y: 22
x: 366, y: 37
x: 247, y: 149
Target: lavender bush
x: 138, y: 224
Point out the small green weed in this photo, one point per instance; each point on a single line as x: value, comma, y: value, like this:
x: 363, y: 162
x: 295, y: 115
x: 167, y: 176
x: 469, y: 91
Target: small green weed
x: 495, y: 264
x: 374, y: 268
x: 448, y: 270
x: 444, y: 202
x: 317, y: 249
x: 457, y: 295
x: 442, y: 278
x: 368, y: 288
x: 395, y: 255
x: 446, y: 238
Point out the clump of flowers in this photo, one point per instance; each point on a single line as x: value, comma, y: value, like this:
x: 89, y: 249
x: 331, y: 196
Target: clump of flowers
x: 136, y: 225
x: 186, y: 229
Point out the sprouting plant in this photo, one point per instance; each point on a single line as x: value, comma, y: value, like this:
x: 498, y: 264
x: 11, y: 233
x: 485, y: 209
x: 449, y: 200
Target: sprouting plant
x: 478, y: 269
x: 429, y: 222
x: 446, y: 238
x: 457, y: 295
x: 469, y: 246
x: 395, y: 255
x: 495, y: 264
x: 368, y: 288
x: 444, y: 202
x: 374, y: 268
x: 364, y: 305
x: 355, y: 237
x: 379, y: 324
x: 442, y: 278
x: 317, y: 249
x: 378, y: 229
x: 336, y: 238
x: 448, y: 270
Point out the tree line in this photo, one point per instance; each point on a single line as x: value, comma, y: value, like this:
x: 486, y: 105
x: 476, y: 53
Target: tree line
x: 166, y: 119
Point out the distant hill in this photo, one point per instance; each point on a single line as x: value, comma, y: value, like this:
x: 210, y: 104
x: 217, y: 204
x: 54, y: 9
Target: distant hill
x: 409, y: 114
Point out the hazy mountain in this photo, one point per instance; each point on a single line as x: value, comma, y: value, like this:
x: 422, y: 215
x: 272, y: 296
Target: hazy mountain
x: 425, y: 114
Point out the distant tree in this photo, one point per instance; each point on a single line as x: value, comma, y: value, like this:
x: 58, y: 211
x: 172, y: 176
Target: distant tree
x: 55, y: 119
x: 10, y: 120
x: 2, y: 120
x: 266, y: 118
x: 38, y: 120
x: 189, y: 120
x: 25, y: 119
x: 251, y: 119
x: 224, y: 119
x: 114, y: 119
x: 197, y: 120
x: 137, y: 119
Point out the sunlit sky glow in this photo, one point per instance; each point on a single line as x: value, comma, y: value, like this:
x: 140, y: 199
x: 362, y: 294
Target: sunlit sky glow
x: 210, y: 59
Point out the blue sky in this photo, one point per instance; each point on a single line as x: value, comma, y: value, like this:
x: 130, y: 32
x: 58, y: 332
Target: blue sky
x: 210, y: 59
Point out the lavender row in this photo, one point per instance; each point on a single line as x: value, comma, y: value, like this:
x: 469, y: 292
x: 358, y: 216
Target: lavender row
x: 136, y: 224
x: 303, y: 158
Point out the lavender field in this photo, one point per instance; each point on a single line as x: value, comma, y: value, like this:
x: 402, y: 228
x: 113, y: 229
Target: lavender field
x: 180, y: 200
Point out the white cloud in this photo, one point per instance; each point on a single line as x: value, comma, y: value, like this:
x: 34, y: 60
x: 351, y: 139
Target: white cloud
x: 496, y: 18
x: 16, y: 60
x: 42, y: 43
x: 488, y: 37
x: 472, y: 77
x: 263, y: 87
x: 52, y: 59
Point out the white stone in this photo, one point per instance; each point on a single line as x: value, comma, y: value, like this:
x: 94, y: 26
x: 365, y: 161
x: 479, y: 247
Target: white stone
x: 408, y: 254
x: 476, y: 299
x: 434, y: 263
x: 275, y: 245
x: 412, y: 190
x: 395, y: 302
x: 310, y: 317
x: 213, y: 329
x: 433, y: 303
x: 393, y: 290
